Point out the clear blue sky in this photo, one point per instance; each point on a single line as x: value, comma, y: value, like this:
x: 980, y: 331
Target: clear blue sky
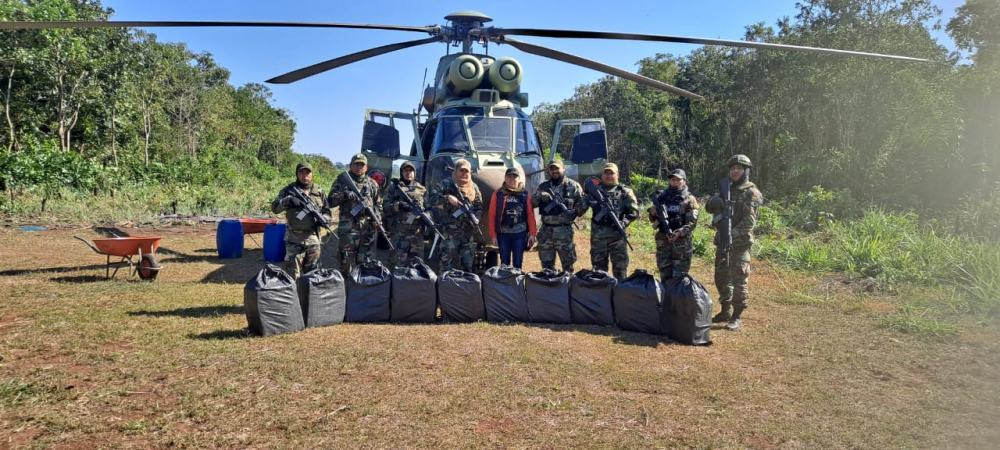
x: 329, y: 108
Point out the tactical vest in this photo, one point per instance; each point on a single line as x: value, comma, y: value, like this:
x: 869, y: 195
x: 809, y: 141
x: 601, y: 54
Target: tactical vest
x: 511, y: 212
x: 676, y: 207
x: 616, y: 195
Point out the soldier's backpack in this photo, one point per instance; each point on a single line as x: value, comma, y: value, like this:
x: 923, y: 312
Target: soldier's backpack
x: 272, y: 303
x: 687, y: 311
x: 590, y: 293
x: 323, y: 296
x: 503, y: 294
x: 547, y: 294
x: 637, y: 303
x: 414, y: 293
x: 368, y: 291
x: 460, y: 295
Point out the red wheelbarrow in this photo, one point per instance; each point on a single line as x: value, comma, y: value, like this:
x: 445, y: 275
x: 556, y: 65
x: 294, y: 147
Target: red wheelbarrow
x: 142, y: 248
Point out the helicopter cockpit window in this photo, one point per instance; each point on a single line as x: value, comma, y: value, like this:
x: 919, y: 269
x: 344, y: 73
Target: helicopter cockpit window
x: 490, y: 134
x: 450, y: 136
x: 526, y: 140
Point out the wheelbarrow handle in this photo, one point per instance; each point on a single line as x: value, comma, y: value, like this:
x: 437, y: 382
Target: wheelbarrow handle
x: 89, y: 244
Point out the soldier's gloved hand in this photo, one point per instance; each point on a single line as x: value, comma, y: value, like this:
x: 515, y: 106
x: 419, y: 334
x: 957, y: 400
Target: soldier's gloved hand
x: 593, y: 203
x: 570, y: 213
x: 290, y: 201
x: 352, y: 197
x: 545, y: 196
x: 404, y: 207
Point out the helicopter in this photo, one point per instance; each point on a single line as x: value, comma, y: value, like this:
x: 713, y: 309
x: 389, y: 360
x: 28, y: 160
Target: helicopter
x: 474, y: 108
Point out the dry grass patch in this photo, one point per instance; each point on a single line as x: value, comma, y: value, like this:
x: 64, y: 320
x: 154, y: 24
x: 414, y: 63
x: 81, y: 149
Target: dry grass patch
x: 119, y: 363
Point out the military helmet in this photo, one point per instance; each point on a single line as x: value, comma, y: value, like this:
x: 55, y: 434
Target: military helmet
x: 742, y: 160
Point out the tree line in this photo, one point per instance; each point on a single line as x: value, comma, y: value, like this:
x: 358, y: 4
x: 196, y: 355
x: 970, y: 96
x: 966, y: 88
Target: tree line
x: 901, y: 134
x: 105, y: 108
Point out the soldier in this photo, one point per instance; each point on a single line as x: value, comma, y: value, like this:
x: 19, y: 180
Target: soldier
x: 356, y: 230
x: 556, y: 234
x: 460, y: 234
x: 605, y: 240
x: 674, y: 251
x: 732, y: 270
x: 302, y: 237
x: 512, y: 219
x: 407, y: 234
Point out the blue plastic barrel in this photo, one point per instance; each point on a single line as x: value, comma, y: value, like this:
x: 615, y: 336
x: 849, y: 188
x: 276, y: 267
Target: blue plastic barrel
x: 229, y: 239
x: 274, y: 242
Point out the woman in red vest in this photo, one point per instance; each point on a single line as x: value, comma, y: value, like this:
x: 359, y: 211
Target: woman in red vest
x: 512, y: 219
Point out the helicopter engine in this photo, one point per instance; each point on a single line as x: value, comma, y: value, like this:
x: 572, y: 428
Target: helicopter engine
x: 505, y: 75
x: 465, y: 73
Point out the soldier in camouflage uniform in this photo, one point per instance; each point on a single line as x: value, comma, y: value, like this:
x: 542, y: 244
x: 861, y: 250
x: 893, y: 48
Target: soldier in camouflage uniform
x: 356, y: 231
x: 674, y: 252
x: 302, y: 237
x: 406, y: 231
x: 556, y: 233
x: 732, y: 270
x: 605, y: 242
x: 460, y: 244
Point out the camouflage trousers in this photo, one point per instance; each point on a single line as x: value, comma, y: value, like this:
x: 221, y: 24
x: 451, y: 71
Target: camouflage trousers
x: 356, y: 245
x: 614, y: 248
x: 732, y: 280
x: 553, y: 239
x: 407, y: 242
x: 457, y: 251
x: 302, y: 253
x: 673, y: 258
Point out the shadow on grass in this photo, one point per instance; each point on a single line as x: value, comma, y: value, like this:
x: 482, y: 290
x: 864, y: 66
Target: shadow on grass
x: 221, y: 335
x: 193, y: 312
x: 617, y: 335
x: 17, y: 272
x: 80, y: 279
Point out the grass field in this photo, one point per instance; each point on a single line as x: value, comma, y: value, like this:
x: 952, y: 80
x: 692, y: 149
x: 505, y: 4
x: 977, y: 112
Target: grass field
x: 823, y: 362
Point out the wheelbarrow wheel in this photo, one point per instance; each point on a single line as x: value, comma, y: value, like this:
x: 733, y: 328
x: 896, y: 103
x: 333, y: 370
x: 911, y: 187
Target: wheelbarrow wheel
x: 148, y: 268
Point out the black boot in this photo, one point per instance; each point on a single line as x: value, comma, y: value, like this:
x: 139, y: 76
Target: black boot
x: 734, y: 322
x: 724, y: 315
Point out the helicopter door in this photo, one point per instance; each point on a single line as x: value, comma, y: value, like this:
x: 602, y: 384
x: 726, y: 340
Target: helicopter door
x: 583, y: 146
x: 389, y: 138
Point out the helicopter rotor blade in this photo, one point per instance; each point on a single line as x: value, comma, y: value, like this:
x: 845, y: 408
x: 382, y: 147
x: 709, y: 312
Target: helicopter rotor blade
x: 334, y: 63
x: 200, y: 23
x: 591, y: 64
x: 685, y: 40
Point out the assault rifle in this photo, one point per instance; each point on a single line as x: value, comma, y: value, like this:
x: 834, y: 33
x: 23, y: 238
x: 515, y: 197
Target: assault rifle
x: 661, y: 217
x: 309, y: 208
x: 345, y: 177
x: 560, y: 204
x: 416, y: 211
x: 607, y: 210
x: 726, y: 218
x: 465, y: 207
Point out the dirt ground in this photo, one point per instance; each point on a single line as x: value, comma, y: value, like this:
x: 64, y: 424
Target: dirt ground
x: 91, y: 363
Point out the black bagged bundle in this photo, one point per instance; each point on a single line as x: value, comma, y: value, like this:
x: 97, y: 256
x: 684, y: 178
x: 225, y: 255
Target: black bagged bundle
x: 272, y: 303
x: 637, y: 303
x: 460, y: 295
x: 503, y: 294
x: 590, y: 294
x: 547, y: 294
x: 368, y: 291
x: 687, y: 311
x: 414, y: 293
x: 323, y: 297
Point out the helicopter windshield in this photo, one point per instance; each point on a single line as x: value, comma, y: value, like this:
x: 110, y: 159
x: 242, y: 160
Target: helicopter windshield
x: 490, y: 135
x: 450, y: 136
x: 527, y: 139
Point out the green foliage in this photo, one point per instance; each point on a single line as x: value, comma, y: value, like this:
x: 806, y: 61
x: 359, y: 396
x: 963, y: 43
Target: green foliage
x: 643, y: 186
x: 14, y: 392
x: 913, y: 320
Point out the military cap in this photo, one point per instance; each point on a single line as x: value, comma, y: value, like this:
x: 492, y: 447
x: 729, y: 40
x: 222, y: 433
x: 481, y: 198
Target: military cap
x: 742, y: 160
x: 611, y: 166
x: 511, y: 171
x: 556, y: 163
x: 360, y: 157
x: 463, y: 163
x: 303, y: 165
x: 407, y: 164
x: 679, y: 173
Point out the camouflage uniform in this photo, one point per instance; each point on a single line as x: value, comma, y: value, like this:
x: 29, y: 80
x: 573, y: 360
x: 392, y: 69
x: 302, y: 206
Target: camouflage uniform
x: 460, y: 236
x: 605, y: 242
x: 356, y: 232
x: 406, y: 231
x: 302, y: 243
x: 674, y: 258
x: 732, y: 271
x: 556, y: 232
